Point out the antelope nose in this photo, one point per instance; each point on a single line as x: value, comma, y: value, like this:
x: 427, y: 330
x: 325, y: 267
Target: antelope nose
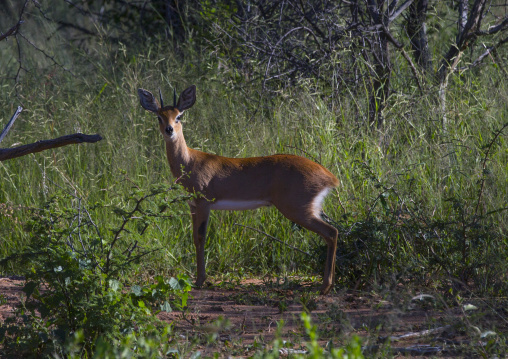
x: 169, y: 130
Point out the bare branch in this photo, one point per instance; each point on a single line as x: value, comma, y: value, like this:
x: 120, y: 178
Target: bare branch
x: 487, y: 52
x: 400, y: 10
x: 12, y: 31
x: 495, y: 29
x: 9, y: 153
x: 280, y: 40
x: 52, y: 58
x: 312, y: 23
x: 465, y: 38
x: 413, y: 69
x: 77, y: 27
x: 10, y: 123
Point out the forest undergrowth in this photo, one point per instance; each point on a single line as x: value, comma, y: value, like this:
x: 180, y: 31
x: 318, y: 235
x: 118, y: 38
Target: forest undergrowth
x: 422, y: 204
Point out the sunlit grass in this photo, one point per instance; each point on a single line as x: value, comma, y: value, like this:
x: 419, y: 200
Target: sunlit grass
x: 412, y: 155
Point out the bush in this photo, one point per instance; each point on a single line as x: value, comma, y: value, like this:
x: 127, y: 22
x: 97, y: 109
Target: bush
x: 77, y: 287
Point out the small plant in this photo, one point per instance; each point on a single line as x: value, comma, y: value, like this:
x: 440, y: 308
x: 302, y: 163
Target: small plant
x: 353, y: 349
x: 308, y: 301
x: 282, y: 305
x: 77, y: 279
x: 158, y: 292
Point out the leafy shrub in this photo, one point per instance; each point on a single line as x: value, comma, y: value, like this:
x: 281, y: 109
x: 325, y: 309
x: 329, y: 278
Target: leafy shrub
x: 77, y: 288
x: 400, y: 239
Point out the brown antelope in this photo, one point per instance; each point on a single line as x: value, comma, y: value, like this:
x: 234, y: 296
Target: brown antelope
x: 295, y: 185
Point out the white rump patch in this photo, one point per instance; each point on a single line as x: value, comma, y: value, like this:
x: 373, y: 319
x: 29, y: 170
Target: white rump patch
x: 317, y: 203
x: 238, y: 205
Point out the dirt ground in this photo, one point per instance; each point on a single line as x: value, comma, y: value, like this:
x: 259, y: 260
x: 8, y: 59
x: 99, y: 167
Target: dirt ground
x: 236, y: 319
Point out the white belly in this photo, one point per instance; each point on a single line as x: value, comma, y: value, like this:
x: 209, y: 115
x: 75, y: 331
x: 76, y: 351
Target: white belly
x: 235, y: 205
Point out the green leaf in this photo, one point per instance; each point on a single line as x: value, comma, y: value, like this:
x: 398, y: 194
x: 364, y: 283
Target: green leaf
x: 29, y: 288
x: 174, y: 283
x: 114, y: 284
x: 184, y: 298
x: 136, y: 290
x: 166, y: 307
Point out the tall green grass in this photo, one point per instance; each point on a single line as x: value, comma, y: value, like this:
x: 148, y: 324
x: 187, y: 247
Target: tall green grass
x: 412, y: 168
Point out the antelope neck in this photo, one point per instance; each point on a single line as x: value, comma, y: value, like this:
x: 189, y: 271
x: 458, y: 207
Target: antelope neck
x: 178, y: 155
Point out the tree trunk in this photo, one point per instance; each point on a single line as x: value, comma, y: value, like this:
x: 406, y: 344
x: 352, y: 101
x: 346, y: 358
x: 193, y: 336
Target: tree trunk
x: 382, y: 64
x: 417, y: 31
x: 468, y: 24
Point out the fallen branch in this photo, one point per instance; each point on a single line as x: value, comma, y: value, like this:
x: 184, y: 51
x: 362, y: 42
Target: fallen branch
x: 9, y: 153
x: 396, y: 338
x: 275, y: 239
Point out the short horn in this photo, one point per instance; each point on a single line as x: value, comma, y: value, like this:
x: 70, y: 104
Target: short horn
x: 160, y: 97
x: 174, y: 97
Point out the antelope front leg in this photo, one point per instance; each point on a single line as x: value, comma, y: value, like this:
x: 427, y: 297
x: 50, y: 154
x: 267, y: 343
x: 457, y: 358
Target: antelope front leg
x: 200, y: 215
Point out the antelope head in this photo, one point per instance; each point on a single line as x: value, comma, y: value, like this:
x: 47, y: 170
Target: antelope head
x: 169, y: 116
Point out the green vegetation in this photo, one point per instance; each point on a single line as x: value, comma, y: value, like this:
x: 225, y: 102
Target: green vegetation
x: 420, y: 206
x: 75, y: 273
x: 412, y: 196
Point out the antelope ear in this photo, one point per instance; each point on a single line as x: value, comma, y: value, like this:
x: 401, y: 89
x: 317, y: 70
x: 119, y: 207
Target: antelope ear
x: 147, y: 100
x: 187, y: 98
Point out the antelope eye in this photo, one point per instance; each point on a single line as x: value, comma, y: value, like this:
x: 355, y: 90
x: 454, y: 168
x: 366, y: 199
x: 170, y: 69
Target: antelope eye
x: 178, y: 118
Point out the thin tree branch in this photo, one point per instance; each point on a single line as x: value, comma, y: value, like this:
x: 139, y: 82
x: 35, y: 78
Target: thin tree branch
x: 12, y: 31
x: 52, y: 58
x: 487, y: 52
x: 413, y: 69
x: 400, y: 10
x: 465, y: 39
x: 494, y: 29
x: 9, y: 153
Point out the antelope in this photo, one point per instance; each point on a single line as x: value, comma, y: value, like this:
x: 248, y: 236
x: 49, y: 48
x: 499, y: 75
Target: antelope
x: 295, y: 185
